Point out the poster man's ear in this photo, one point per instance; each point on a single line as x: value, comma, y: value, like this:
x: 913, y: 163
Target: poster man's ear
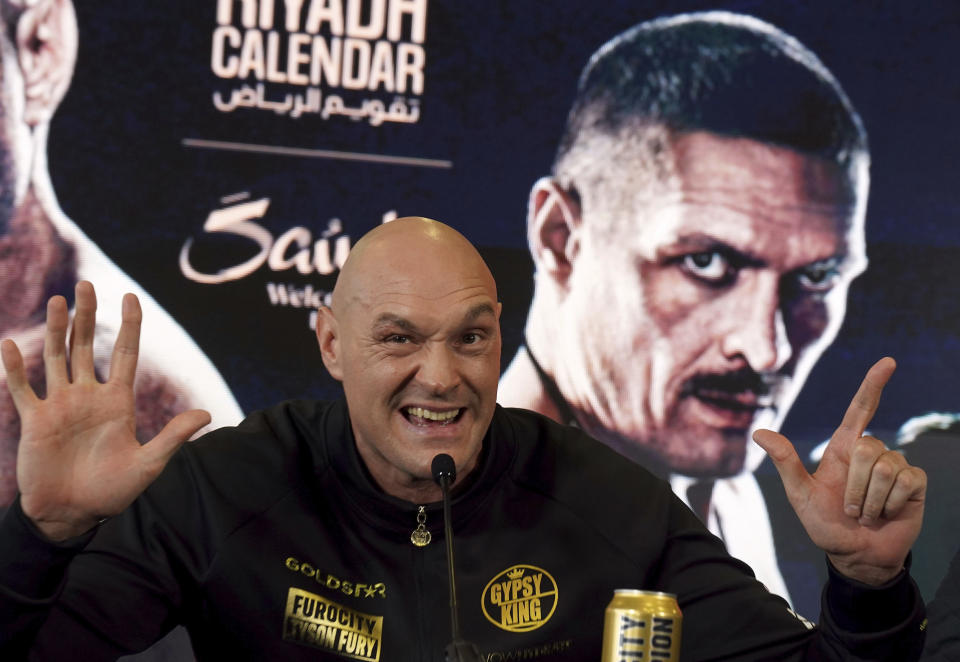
x: 328, y: 337
x: 553, y: 228
x: 46, y: 43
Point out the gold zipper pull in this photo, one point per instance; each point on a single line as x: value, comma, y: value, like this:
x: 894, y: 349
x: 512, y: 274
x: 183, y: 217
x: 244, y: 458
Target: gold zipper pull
x: 420, y: 536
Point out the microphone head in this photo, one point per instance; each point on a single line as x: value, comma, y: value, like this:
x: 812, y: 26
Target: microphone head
x: 443, y: 467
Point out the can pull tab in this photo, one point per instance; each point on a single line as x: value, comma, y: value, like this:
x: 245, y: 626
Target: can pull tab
x: 420, y: 536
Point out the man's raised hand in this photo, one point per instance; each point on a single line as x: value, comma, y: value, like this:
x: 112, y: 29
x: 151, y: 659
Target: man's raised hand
x: 864, y: 504
x: 78, y: 459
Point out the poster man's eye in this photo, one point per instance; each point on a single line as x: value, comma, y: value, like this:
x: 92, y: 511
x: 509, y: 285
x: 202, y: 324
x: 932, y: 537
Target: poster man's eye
x: 711, y: 266
x: 819, y: 277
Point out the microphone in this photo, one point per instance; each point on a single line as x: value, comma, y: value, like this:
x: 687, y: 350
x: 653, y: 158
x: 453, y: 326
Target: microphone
x: 444, y: 473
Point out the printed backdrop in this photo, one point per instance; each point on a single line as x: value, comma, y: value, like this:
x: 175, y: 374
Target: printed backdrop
x: 231, y: 184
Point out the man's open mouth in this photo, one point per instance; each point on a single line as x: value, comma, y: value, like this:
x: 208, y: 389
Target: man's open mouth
x: 737, y: 391
x: 736, y: 401
x: 426, y: 417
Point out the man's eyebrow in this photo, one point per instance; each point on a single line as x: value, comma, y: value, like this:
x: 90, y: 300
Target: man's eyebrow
x: 704, y: 243
x: 391, y: 320
x: 478, y: 311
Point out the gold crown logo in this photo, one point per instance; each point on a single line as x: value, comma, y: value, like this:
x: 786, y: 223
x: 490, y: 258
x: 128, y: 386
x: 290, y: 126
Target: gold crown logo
x: 516, y: 573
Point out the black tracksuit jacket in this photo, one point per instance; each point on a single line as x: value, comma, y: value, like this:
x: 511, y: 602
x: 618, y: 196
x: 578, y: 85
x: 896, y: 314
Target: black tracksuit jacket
x: 269, y: 541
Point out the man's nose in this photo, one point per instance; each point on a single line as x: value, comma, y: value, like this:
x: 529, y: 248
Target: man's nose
x: 439, y: 371
x: 756, y: 326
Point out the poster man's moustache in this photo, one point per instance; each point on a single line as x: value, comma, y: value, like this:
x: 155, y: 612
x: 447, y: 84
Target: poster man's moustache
x: 738, y: 381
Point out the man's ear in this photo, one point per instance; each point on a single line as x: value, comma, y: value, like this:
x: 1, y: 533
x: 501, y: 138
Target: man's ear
x: 328, y: 337
x: 553, y: 223
x: 46, y: 43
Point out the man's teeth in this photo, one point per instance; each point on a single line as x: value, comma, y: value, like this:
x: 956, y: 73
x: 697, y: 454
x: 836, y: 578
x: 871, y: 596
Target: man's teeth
x: 439, y: 416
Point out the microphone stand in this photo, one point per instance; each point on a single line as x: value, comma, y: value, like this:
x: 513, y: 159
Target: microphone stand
x: 444, y: 473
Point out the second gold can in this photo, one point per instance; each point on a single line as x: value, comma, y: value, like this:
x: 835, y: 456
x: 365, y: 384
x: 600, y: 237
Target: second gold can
x: 642, y: 626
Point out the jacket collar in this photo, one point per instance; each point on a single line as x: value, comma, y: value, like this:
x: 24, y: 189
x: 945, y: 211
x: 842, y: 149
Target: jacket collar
x: 397, y: 515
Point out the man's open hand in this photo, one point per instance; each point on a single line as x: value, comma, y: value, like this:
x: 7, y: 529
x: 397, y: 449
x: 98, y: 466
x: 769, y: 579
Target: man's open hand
x: 78, y: 459
x: 864, y: 504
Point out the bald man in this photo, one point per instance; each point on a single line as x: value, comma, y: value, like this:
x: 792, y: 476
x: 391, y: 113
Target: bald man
x: 313, y: 529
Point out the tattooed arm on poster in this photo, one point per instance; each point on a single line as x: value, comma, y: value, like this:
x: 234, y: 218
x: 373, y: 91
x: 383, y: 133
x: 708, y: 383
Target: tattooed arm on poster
x: 79, y: 460
x: 864, y: 504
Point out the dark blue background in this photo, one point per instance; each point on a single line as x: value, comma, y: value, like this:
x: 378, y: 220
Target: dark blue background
x: 500, y: 78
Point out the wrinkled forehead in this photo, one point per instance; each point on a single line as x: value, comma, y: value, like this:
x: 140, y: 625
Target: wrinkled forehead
x: 738, y: 187
x: 755, y: 172
x: 431, y: 286
x: 425, y: 286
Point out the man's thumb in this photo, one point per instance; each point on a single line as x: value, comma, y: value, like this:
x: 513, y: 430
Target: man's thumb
x: 161, y: 448
x: 784, y: 457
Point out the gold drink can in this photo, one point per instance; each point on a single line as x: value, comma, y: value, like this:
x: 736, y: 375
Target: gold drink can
x: 642, y: 626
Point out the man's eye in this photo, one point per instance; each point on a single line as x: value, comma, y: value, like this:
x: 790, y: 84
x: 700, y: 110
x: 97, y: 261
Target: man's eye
x: 710, y: 266
x: 818, y: 277
x: 397, y: 339
x: 471, y: 338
